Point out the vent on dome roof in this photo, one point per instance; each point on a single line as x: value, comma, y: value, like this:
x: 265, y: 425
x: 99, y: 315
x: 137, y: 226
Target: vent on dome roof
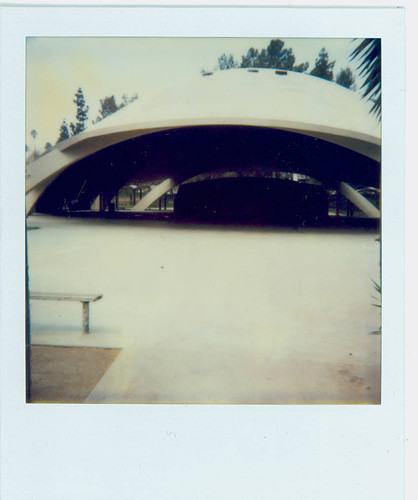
x: 252, y: 71
x: 208, y: 73
x: 281, y: 72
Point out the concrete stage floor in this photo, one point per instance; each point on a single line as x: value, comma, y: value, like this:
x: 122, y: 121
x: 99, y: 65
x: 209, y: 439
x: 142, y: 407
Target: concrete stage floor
x: 213, y: 314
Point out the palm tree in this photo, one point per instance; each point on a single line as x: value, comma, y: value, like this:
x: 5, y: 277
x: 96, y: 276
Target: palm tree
x: 34, y: 134
x: 369, y: 54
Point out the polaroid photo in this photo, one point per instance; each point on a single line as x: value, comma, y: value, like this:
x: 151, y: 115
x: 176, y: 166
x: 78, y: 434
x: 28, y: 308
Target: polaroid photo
x: 207, y: 237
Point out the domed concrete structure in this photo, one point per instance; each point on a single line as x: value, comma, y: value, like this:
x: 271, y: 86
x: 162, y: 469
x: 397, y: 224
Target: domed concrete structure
x: 243, y: 118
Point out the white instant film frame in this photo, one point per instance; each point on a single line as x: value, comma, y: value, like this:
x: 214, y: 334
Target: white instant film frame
x: 191, y: 452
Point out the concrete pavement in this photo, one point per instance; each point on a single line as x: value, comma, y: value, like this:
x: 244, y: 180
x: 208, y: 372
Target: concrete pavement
x: 214, y: 315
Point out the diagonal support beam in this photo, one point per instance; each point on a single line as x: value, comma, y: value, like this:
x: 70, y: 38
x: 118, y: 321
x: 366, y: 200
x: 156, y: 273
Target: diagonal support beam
x: 359, y: 201
x: 153, y: 195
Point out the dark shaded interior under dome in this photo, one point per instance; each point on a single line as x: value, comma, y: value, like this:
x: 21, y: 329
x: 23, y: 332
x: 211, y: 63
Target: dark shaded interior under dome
x: 184, y: 153
x: 252, y: 200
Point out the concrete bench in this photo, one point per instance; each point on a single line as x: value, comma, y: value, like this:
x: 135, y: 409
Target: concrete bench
x: 84, y: 299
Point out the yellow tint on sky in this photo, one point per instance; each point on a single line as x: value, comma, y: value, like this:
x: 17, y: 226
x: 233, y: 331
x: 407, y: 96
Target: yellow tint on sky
x: 57, y: 67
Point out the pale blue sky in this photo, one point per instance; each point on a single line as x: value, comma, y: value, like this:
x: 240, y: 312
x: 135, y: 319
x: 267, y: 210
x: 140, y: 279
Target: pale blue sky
x: 56, y: 67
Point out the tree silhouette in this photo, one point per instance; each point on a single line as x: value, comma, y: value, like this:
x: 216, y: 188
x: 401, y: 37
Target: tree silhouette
x: 346, y: 78
x: 250, y: 60
x: 108, y: 106
x: 274, y: 56
x: 279, y: 57
x: 323, y: 68
x: 227, y: 62
x: 81, y: 113
x: 64, y: 132
x: 301, y: 68
x: 34, y: 135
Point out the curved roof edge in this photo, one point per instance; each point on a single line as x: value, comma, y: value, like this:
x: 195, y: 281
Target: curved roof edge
x: 82, y: 145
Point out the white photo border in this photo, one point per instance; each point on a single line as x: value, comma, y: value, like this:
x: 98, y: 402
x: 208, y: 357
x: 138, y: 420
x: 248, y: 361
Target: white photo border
x: 200, y: 451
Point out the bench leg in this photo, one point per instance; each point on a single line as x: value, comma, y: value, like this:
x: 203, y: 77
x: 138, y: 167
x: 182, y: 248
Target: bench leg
x: 85, y: 317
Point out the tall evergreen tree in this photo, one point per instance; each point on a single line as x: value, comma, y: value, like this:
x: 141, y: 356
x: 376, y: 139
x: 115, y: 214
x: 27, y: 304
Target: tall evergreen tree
x: 263, y: 60
x: 81, y: 113
x: 323, y: 67
x: 278, y: 57
x: 274, y: 49
x: 64, y: 132
x: 250, y: 59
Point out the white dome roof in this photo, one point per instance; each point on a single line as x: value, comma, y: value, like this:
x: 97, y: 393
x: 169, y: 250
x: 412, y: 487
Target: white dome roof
x: 251, y: 97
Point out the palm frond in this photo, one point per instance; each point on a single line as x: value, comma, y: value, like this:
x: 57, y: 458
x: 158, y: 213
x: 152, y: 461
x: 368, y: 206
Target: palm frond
x: 368, y: 52
x: 377, y: 287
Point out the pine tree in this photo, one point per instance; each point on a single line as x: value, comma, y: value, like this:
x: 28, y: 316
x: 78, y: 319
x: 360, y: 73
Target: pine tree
x: 345, y: 78
x: 275, y: 56
x: 278, y: 57
x: 301, y: 68
x: 250, y: 59
x: 323, y: 68
x: 227, y: 62
x: 81, y: 113
x: 263, y: 60
x: 108, y: 106
x: 64, y: 132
